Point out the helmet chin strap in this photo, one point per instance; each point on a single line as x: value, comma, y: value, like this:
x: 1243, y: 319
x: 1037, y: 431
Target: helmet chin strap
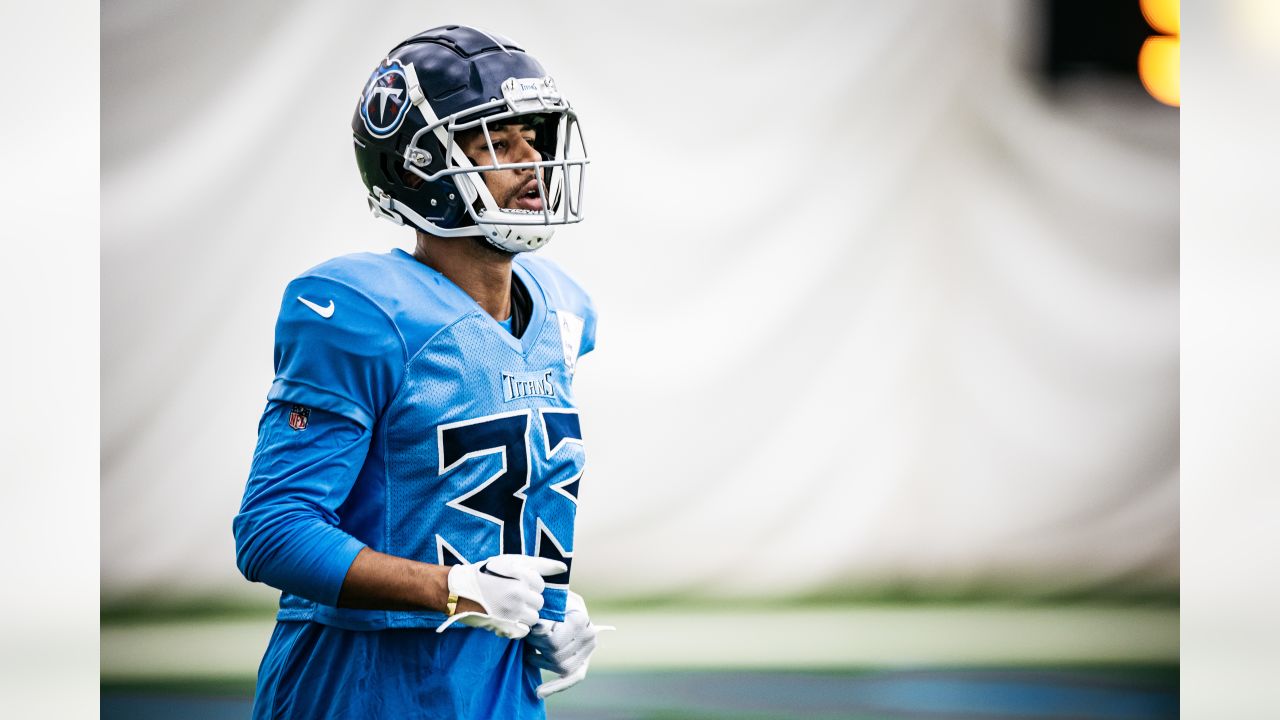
x: 511, y: 238
x: 517, y: 238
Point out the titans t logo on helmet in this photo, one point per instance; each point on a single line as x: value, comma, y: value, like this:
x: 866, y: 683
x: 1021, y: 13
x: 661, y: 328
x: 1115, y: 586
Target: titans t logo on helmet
x: 386, y: 99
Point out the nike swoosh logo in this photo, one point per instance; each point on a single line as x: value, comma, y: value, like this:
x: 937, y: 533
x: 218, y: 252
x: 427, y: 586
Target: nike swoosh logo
x: 324, y: 312
x: 485, y: 569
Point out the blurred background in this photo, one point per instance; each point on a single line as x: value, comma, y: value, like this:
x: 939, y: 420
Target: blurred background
x: 884, y: 415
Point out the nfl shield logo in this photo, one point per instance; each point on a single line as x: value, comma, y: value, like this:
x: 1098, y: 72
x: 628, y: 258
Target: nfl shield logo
x: 298, y: 418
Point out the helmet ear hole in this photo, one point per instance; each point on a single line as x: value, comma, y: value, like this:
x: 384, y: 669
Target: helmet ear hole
x: 411, y: 180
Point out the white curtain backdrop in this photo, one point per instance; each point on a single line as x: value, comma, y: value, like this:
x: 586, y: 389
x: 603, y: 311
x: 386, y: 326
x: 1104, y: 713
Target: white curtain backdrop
x: 877, y: 310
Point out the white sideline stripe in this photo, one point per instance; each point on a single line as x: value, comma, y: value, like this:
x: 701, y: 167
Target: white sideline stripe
x: 746, y: 639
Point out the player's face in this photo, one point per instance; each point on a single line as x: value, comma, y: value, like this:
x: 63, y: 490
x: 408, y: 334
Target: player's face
x: 512, y: 143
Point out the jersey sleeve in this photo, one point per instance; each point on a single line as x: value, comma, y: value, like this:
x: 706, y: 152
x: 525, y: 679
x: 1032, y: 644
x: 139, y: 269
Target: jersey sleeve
x: 588, y: 326
x: 286, y: 532
x: 336, y: 350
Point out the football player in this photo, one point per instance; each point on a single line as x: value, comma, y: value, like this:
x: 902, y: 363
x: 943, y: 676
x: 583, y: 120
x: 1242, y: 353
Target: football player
x: 417, y: 471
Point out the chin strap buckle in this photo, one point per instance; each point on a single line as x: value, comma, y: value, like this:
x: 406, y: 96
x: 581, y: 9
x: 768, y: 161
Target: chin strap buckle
x: 382, y: 205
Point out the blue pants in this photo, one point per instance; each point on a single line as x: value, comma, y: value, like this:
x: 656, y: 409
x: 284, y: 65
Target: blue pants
x: 318, y: 671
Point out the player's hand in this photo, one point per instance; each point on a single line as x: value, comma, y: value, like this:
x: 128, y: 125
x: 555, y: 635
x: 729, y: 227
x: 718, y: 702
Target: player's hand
x: 564, y: 647
x: 507, y: 587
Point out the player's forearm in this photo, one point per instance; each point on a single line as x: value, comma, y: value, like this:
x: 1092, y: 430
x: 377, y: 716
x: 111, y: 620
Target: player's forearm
x: 377, y: 581
x: 294, y: 550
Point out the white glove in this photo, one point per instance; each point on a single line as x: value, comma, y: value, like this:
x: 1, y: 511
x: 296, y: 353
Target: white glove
x: 508, y: 587
x: 564, y: 647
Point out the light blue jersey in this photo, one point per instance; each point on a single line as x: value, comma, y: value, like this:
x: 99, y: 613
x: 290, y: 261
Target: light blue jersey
x: 474, y: 445
x: 406, y: 419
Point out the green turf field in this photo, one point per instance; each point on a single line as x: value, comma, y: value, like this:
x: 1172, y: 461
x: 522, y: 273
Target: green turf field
x: 892, y: 661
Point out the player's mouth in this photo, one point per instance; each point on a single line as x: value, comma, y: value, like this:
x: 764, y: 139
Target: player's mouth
x: 527, y: 198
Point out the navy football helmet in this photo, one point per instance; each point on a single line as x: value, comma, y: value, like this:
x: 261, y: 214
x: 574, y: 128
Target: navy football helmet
x: 447, y: 81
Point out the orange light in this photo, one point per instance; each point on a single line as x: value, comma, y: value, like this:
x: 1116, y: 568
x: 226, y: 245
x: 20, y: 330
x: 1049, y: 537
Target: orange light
x: 1159, y: 64
x: 1163, y: 15
x: 1160, y: 60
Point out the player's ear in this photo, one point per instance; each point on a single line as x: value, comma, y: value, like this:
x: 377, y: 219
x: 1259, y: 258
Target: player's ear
x: 410, y: 179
